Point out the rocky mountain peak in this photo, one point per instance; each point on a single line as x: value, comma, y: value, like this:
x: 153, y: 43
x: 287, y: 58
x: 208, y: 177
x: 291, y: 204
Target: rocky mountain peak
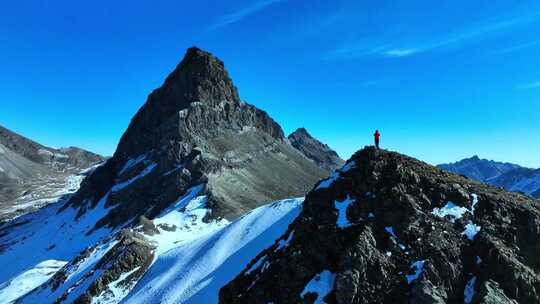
x: 202, y: 77
x: 300, y: 132
x: 315, y: 150
x: 387, y: 228
x: 199, y: 80
x: 195, y: 130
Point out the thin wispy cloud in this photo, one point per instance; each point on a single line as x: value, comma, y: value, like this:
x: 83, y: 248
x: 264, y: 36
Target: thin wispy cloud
x: 404, y: 48
x: 400, y: 52
x: 243, y: 13
x: 529, y: 86
x: 516, y: 48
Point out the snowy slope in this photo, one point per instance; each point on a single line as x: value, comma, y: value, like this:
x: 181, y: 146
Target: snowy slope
x: 46, y: 235
x: 194, y: 271
x: 193, y: 258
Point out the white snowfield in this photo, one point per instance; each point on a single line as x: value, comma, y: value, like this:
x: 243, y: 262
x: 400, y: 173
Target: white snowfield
x: 194, y: 270
x: 48, y: 236
x: 28, y: 280
x: 194, y: 259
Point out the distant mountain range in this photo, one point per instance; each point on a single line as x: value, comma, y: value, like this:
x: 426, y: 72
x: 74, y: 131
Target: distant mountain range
x: 509, y: 176
x: 32, y: 174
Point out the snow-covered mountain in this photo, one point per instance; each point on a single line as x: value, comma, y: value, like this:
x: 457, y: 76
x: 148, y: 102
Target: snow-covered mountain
x: 479, y: 169
x: 509, y: 176
x: 184, y: 258
x: 32, y: 175
x: 175, y: 213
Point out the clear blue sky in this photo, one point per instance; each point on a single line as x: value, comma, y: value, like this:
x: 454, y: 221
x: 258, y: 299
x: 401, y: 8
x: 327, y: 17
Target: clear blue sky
x: 442, y: 80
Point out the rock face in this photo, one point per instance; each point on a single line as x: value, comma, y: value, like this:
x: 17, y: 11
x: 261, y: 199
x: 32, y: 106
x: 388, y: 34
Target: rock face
x: 193, y: 130
x: 479, y: 169
x: 505, y: 175
x: 387, y: 228
x: 31, y: 173
x: 315, y: 150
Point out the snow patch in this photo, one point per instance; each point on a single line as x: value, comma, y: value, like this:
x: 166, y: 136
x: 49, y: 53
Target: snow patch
x: 471, y: 230
x: 322, y: 284
x: 469, y: 292
x: 329, y: 181
x: 474, y: 202
x: 390, y: 231
x: 418, y: 268
x: 256, y: 265
x: 284, y: 243
x: 455, y: 212
x: 132, y: 162
x: 342, y: 221
x: 394, y: 237
x: 178, y: 167
x: 335, y: 175
x: 348, y: 166
x: 143, y: 173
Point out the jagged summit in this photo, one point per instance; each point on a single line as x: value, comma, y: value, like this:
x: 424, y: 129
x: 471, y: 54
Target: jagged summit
x: 201, y: 71
x: 200, y: 78
x: 194, y: 130
x: 192, y: 160
x: 315, y: 150
x: 388, y: 228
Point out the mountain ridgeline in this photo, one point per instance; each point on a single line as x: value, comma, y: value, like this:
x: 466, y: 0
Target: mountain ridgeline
x: 315, y: 150
x: 505, y: 175
x: 390, y: 229
x: 31, y: 174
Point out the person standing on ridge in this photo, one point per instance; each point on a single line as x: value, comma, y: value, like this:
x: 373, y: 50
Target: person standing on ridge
x: 377, y: 136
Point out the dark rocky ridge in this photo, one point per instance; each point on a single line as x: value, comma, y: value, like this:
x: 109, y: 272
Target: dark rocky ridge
x: 315, y: 150
x: 192, y: 130
x: 369, y: 264
x: 30, y: 171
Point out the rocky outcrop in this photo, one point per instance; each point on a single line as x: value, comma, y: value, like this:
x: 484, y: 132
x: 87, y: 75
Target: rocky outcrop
x: 387, y: 228
x: 315, y: 150
x: 194, y: 130
x: 99, y: 273
x: 32, y: 174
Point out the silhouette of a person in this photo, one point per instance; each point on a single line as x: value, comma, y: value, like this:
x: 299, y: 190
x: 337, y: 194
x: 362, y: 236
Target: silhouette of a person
x: 377, y: 137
